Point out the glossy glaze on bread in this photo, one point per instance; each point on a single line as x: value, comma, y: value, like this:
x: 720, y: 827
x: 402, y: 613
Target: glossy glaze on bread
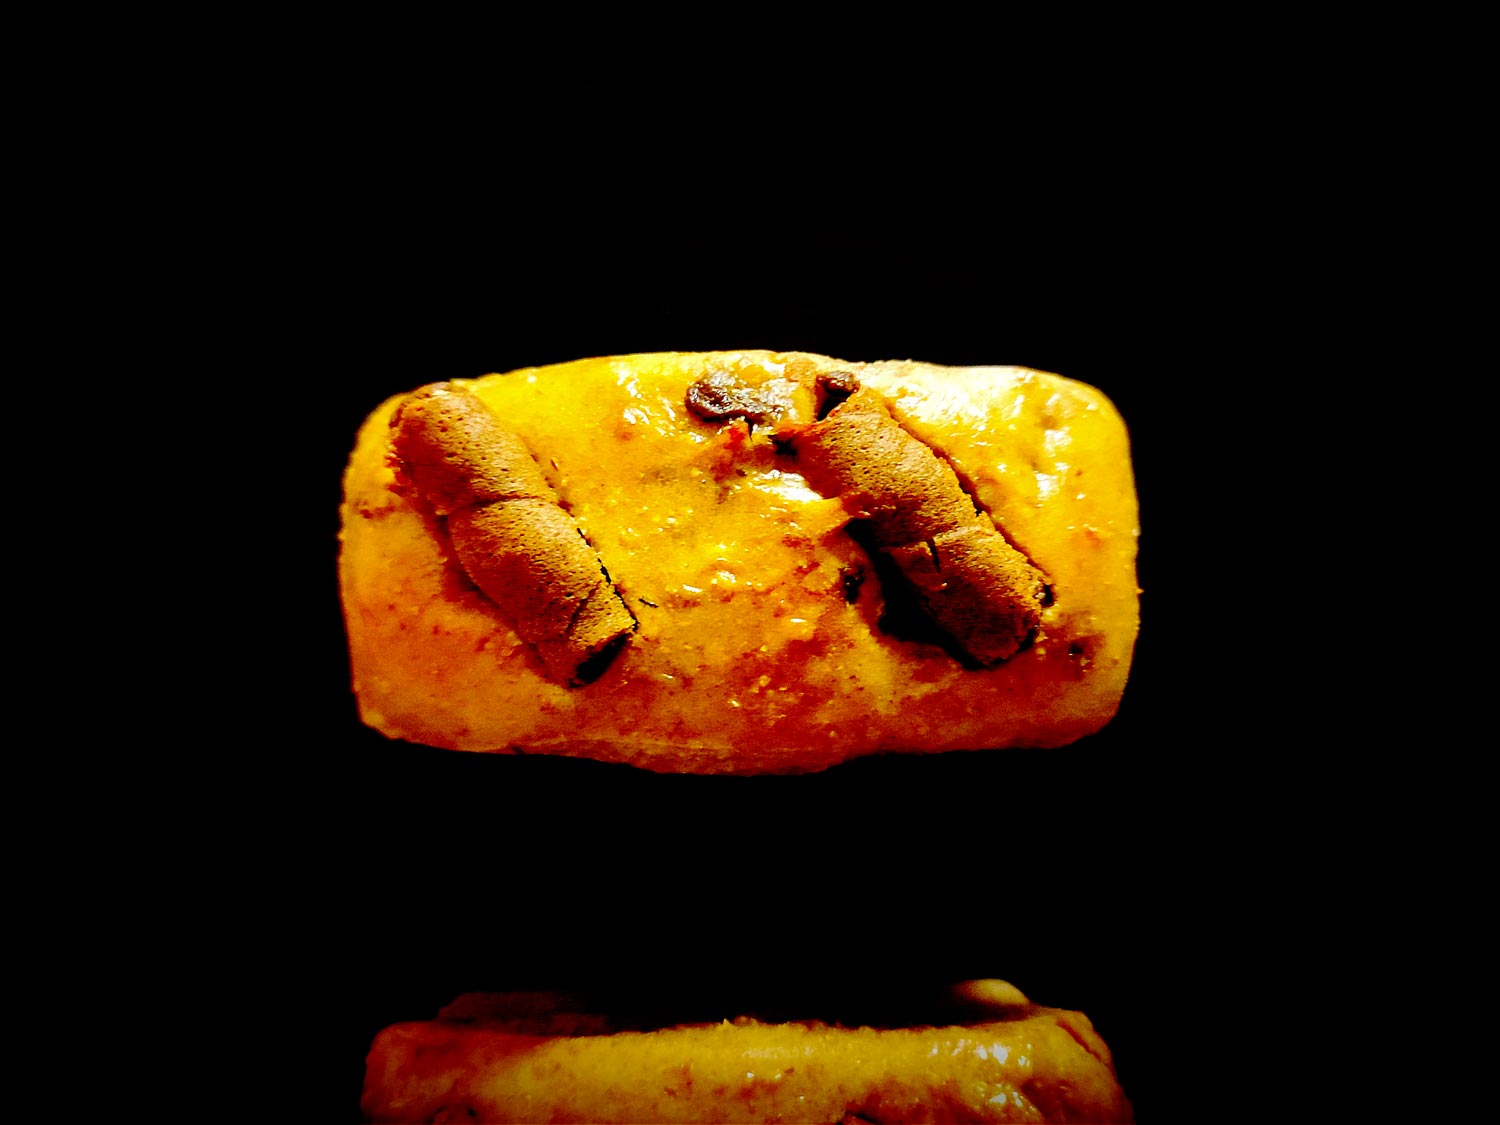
x: 770, y: 635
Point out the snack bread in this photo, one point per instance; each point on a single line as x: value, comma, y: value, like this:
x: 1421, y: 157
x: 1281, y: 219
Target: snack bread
x: 740, y: 562
x: 534, y: 1057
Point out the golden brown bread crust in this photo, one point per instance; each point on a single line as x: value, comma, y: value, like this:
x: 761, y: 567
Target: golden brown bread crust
x: 492, y: 1059
x: 767, y: 637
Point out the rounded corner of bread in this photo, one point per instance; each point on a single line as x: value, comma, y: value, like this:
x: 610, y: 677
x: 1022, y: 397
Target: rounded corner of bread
x: 759, y: 638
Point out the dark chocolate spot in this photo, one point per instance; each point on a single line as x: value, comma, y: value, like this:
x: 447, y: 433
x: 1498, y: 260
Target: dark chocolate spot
x: 833, y: 388
x: 592, y: 668
x: 719, y: 397
x: 851, y: 578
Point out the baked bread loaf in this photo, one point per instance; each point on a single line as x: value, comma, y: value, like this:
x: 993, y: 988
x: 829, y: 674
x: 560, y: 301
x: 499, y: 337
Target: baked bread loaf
x: 526, y: 1057
x: 741, y: 562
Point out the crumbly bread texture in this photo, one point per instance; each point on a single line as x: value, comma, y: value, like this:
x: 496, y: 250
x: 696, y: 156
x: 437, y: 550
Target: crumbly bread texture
x: 514, y: 1058
x: 774, y: 606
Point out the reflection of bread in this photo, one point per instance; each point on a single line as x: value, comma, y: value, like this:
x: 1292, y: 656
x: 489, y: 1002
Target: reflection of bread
x: 763, y: 614
x: 527, y: 1058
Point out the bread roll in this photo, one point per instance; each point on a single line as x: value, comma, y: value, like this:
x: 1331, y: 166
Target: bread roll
x: 523, y: 1057
x: 741, y: 562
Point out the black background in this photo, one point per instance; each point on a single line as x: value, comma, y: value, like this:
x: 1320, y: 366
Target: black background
x: 1107, y: 877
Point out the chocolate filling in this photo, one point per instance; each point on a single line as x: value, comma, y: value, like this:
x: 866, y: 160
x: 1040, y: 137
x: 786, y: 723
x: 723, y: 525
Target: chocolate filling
x: 719, y: 397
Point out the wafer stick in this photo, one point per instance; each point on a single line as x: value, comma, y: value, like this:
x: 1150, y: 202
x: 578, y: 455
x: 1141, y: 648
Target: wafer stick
x: 510, y: 532
x: 970, y: 581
